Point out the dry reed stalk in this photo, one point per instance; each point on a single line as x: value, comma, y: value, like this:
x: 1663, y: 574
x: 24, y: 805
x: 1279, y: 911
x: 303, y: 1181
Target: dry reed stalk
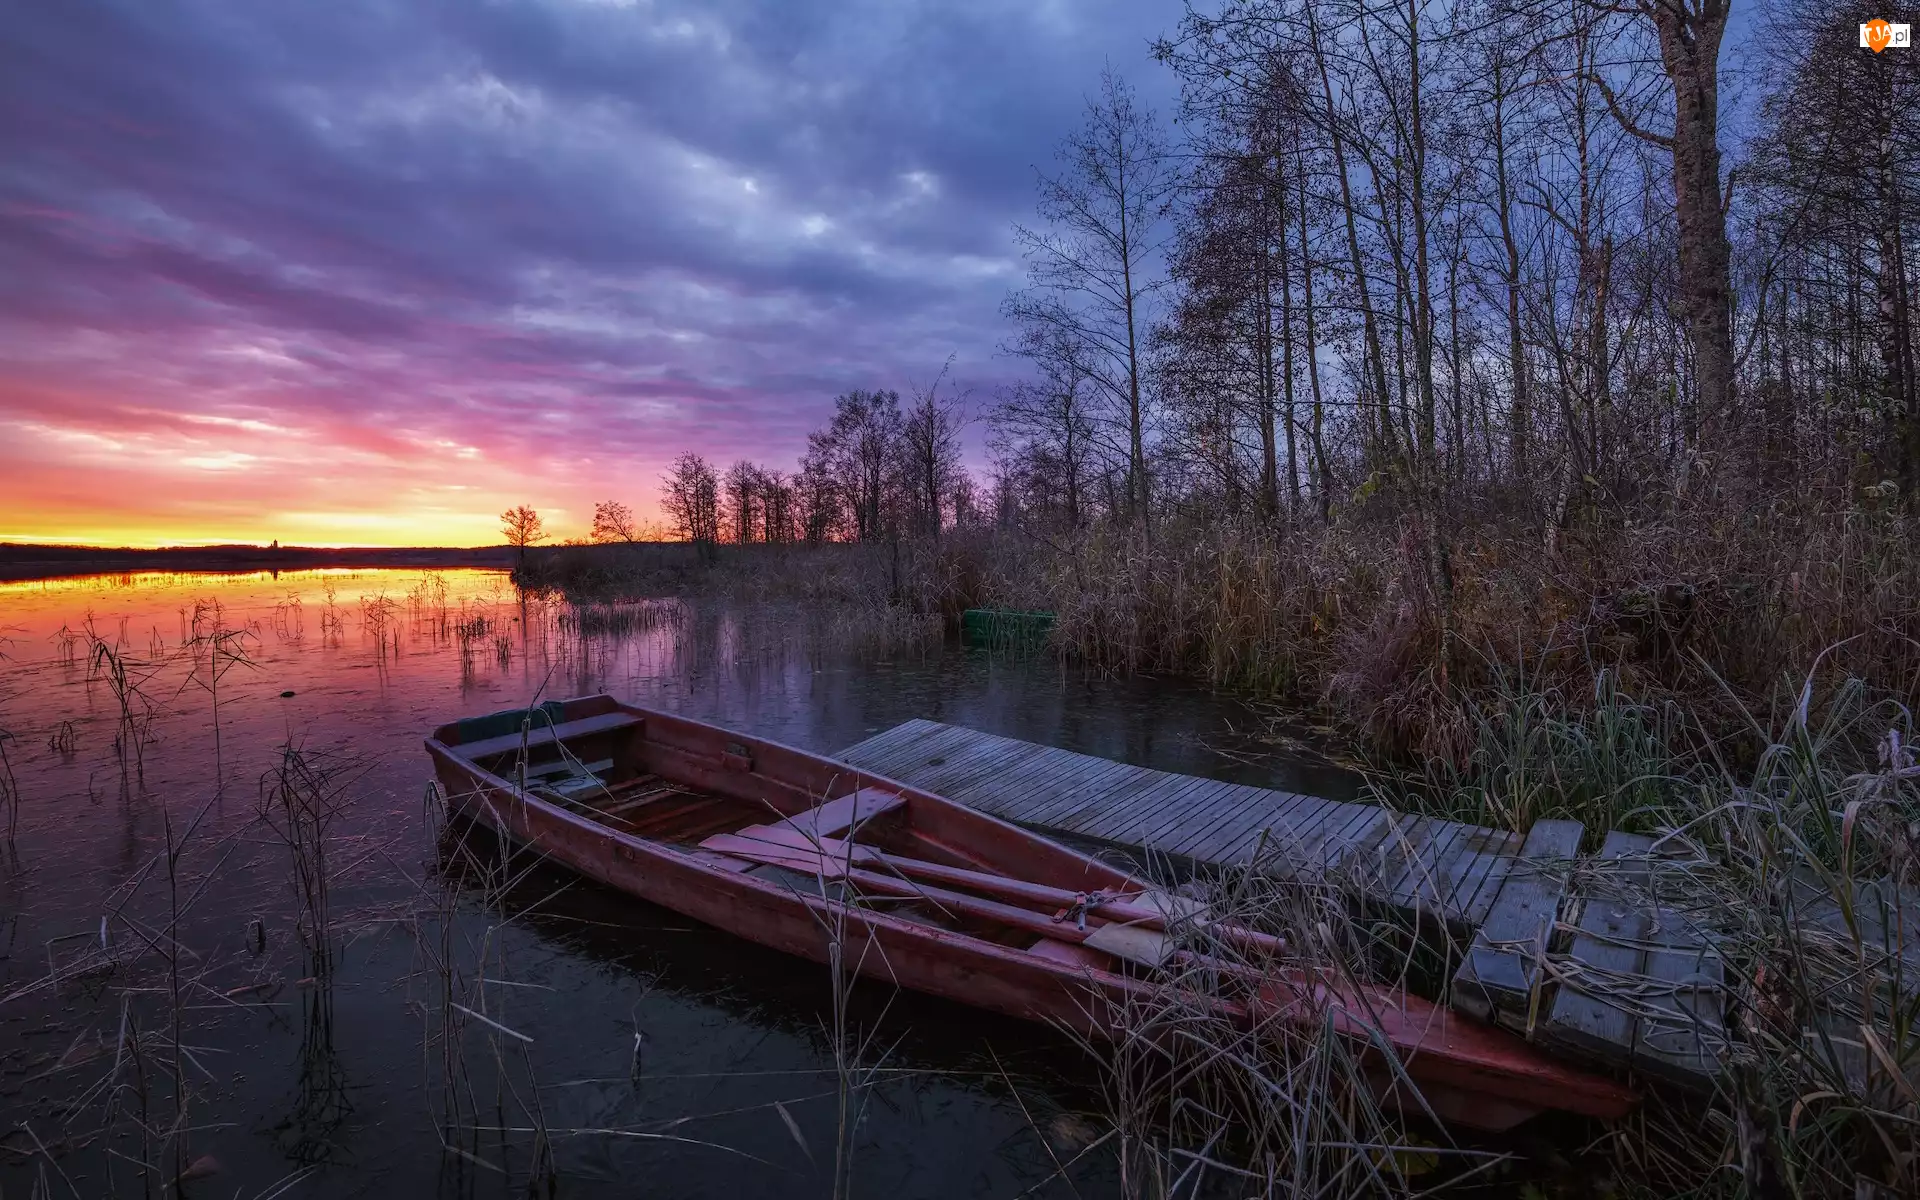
x: 9, y: 788
x: 1271, y: 1106
x: 128, y: 679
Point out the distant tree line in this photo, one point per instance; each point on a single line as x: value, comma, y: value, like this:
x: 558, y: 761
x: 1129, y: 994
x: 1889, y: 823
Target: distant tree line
x: 878, y: 470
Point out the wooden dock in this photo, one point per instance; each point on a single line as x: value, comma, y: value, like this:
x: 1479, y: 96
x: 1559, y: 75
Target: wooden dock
x: 1423, y: 865
x: 1511, y: 901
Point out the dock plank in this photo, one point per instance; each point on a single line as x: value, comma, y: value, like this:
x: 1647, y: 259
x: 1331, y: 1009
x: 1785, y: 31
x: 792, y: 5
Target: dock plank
x: 1481, y: 883
x: 1243, y: 808
x: 1190, y: 802
x: 1080, y: 781
x: 1606, y: 951
x: 1419, y: 882
x: 1126, y: 802
x: 891, y: 755
x: 969, y: 761
x: 880, y: 743
x: 1501, y: 966
x: 1683, y: 1037
x: 913, y: 759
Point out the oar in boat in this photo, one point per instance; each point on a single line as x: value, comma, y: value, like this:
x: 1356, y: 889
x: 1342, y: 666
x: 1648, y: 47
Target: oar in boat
x: 801, y: 850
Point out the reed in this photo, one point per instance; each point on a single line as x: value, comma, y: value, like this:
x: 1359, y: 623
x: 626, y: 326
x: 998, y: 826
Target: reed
x: 1797, y: 859
x: 620, y: 618
x: 1195, y: 1100
x: 333, y: 625
x: 289, y: 618
x: 468, y: 979
x: 215, y: 649
x: 380, y: 618
x: 9, y: 789
x: 427, y: 605
x: 127, y: 678
x: 300, y: 798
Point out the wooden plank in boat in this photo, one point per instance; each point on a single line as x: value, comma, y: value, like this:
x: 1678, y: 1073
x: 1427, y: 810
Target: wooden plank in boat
x: 565, y: 731
x: 1500, y: 969
x: 1148, y: 947
x: 835, y: 817
x: 1608, y: 949
x: 1070, y: 954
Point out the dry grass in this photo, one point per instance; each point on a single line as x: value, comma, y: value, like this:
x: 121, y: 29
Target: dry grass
x: 1198, y: 1100
x: 1340, y: 617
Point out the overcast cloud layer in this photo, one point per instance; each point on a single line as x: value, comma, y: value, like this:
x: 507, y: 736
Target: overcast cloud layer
x: 364, y: 272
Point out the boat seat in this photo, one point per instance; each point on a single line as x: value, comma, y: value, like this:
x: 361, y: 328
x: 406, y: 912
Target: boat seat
x: 562, y: 768
x: 565, y: 731
x: 834, y: 818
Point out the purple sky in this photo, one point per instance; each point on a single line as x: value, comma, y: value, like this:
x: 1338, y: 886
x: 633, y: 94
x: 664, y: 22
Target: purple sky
x: 367, y: 272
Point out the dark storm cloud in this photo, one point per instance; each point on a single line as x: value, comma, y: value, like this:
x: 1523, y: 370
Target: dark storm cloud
x: 667, y: 224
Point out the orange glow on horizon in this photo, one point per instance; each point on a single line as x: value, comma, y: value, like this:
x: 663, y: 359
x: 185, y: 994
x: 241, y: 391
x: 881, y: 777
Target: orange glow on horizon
x: 335, y: 485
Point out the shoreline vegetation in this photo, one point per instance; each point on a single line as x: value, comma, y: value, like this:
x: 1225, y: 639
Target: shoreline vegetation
x: 1738, y: 685
x: 29, y: 561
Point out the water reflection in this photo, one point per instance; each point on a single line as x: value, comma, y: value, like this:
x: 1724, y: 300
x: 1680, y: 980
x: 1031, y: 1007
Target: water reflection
x: 329, y: 932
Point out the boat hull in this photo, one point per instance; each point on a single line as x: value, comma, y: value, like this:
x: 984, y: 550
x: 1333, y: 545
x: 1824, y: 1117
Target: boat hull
x: 1466, y: 1072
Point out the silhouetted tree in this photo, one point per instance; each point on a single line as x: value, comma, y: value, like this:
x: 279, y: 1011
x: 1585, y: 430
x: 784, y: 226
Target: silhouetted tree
x: 690, y: 496
x: 522, y: 527
x: 613, y: 522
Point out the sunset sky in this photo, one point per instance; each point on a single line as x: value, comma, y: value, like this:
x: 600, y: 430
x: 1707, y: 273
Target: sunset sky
x: 367, y: 273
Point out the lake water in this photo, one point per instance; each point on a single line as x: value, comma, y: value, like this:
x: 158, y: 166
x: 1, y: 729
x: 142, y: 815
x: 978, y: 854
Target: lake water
x: 145, y: 904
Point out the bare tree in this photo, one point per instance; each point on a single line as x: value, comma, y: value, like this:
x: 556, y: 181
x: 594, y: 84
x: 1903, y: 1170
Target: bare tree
x: 690, y: 495
x: 1044, y: 430
x: 1090, y: 267
x: 741, y: 501
x: 860, y: 447
x: 929, y: 448
x: 522, y: 527
x: 613, y: 522
x: 818, y: 505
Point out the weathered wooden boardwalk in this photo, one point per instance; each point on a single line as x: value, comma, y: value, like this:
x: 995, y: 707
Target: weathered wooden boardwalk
x: 1638, y: 984
x: 1437, y: 867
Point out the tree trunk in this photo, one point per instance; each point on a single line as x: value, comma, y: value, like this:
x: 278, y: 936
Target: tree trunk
x: 1519, y: 410
x: 1690, y: 51
x: 1323, y: 478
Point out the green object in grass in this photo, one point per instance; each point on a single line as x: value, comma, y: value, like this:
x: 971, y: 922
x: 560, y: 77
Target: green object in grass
x: 1004, y: 627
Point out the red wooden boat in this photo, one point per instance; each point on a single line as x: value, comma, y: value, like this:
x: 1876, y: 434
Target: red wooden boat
x: 780, y: 846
